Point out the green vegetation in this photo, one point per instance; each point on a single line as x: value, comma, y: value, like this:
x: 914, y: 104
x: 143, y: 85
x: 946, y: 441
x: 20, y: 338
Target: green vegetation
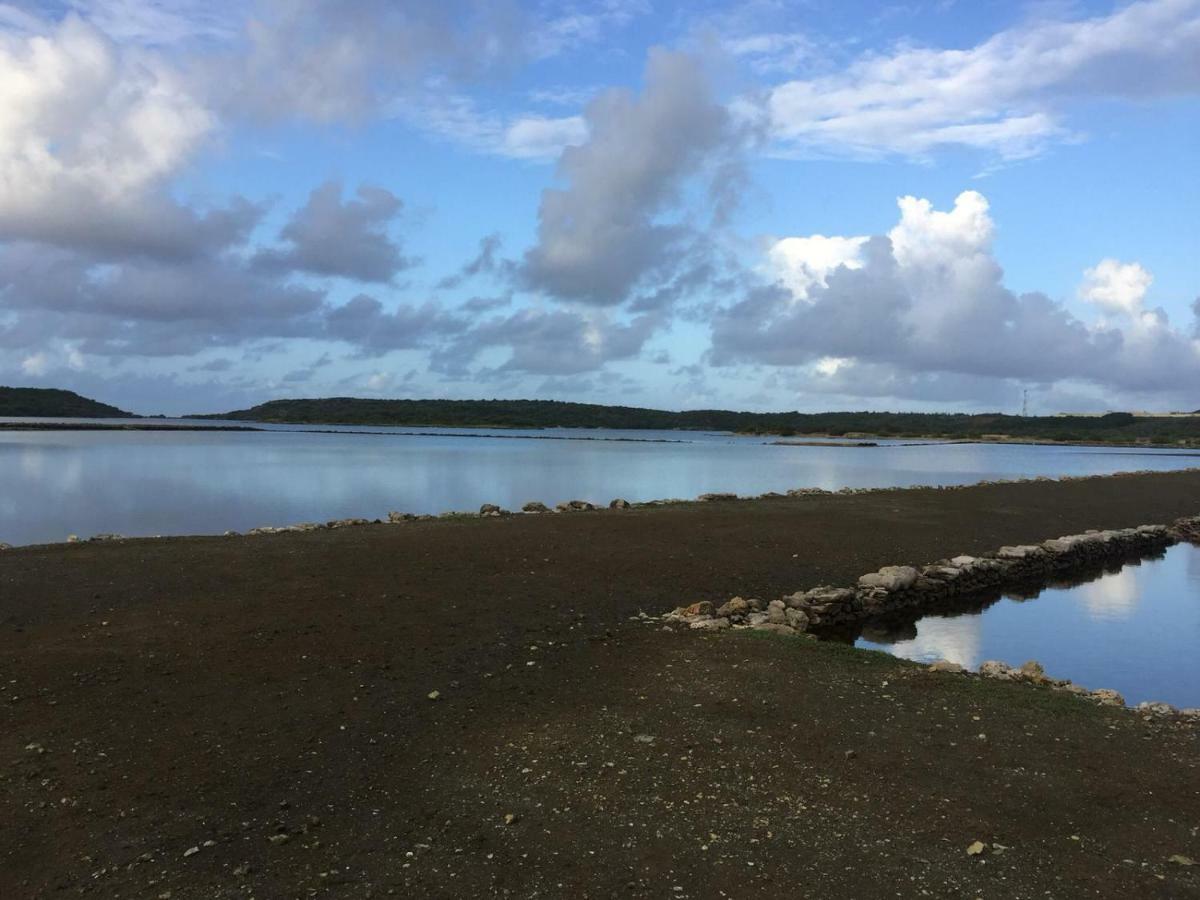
x: 44, y: 402
x: 1111, y: 428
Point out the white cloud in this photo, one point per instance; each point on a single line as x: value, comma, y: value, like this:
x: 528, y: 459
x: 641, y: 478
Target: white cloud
x: 1001, y: 95
x: 36, y: 364
x: 768, y: 52
x: 1115, y: 287
x: 928, y: 301
x: 802, y: 262
x: 90, y: 132
x: 77, y: 110
x: 456, y: 117
x: 538, y: 137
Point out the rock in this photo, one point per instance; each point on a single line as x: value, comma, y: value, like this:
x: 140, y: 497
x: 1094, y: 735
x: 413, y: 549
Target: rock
x: 72, y: 539
x: 963, y: 562
x: 1154, y: 708
x: 190, y: 851
x: 535, y: 506
x: 509, y: 818
x: 829, y: 596
x: 644, y: 738
x: 279, y: 838
x: 976, y: 848
x: 395, y: 517
x: 492, y: 510
x: 106, y: 537
x: 890, y: 578
x: 755, y: 619
x: 574, y: 505
x: 734, y: 607
x: 1059, y: 545
x: 708, y: 498
x: 434, y: 695
x: 1180, y: 860
x: 710, y: 624
x: 944, y: 665
x: 1107, y: 697
x: 1192, y: 712
x: 347, y: 523
x: 995, y: 669
x: 1033, y: 671
x: 1023, y: 552
x: 796, y: 618
x: 4, y: 546
x: 703, y: 608
x: 619, y: 504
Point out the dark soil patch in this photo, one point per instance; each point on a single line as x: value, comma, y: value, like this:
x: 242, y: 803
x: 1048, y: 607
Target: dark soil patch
x: 269, y: 695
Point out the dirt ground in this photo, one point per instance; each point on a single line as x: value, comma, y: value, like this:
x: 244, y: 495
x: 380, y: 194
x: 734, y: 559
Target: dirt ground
x: 250, y: 717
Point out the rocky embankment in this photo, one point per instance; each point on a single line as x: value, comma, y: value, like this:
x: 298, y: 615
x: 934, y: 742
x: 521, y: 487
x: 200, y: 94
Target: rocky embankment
x: 907, y: 589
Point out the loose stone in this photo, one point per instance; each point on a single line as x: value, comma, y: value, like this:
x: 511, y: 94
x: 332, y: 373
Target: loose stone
x: 944, y: 665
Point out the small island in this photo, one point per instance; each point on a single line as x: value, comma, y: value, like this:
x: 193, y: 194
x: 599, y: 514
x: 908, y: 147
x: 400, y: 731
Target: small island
x: 1110, y: 428
x: 54, y: 403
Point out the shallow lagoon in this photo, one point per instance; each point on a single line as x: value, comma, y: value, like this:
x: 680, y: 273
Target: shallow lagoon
x: 1135, y: 630
x: 55, y: 483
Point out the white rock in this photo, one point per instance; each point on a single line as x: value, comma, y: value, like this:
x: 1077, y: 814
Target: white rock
x: 709, y: 624
x: 890, y: 578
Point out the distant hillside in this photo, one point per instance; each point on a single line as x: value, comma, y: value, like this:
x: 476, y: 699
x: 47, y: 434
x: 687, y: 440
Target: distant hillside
x: 1111, y: 428
x: 16, y: 401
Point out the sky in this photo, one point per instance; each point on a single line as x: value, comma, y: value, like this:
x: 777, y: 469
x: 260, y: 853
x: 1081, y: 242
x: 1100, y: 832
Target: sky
x: 767, y: 205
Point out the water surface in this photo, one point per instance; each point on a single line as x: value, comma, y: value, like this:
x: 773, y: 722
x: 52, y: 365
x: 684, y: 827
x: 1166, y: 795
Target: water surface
x: 1135, y: 630
x: 55, y: 483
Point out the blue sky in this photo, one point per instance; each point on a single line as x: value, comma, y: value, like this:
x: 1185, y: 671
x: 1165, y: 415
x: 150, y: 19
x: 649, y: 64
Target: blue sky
x: 770, y: 205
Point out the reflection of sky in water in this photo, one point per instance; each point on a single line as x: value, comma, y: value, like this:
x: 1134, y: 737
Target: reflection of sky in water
x: 57, y: 483
x: 1136, y: 630
x: 1113, y: 597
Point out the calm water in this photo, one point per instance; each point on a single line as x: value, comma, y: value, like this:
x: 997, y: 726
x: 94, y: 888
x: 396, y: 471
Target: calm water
x: 1136, y: 630
x: 192, y: 482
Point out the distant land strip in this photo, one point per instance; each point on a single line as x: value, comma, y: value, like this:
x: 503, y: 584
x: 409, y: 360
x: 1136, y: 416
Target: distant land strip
x: 1179, y: 430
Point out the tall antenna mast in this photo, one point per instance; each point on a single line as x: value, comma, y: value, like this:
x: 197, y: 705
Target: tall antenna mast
x: 1025, y: 403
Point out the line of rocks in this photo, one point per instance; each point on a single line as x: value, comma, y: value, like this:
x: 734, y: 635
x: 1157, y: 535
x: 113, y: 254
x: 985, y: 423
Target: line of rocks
x: 896, y: 589
x: 1032, y: 672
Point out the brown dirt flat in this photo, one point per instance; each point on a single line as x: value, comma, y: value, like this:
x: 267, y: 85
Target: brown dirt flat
x: 234, y: 690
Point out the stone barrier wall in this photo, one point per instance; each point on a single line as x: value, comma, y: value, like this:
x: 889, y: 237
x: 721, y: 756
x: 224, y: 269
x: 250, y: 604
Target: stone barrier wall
x: 910, y: 590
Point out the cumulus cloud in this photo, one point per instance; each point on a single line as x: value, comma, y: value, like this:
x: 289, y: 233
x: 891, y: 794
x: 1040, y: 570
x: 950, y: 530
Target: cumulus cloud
x: 146, y: 307
x: 602, y: 233
x: 344, y: 239
x: 552, y: 342
x: 90, y: 134
x: 1002, y: 95
x: 1116, y: 288
x: 365, y: 323
x: 928, y: 299
x: 802, y: 262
